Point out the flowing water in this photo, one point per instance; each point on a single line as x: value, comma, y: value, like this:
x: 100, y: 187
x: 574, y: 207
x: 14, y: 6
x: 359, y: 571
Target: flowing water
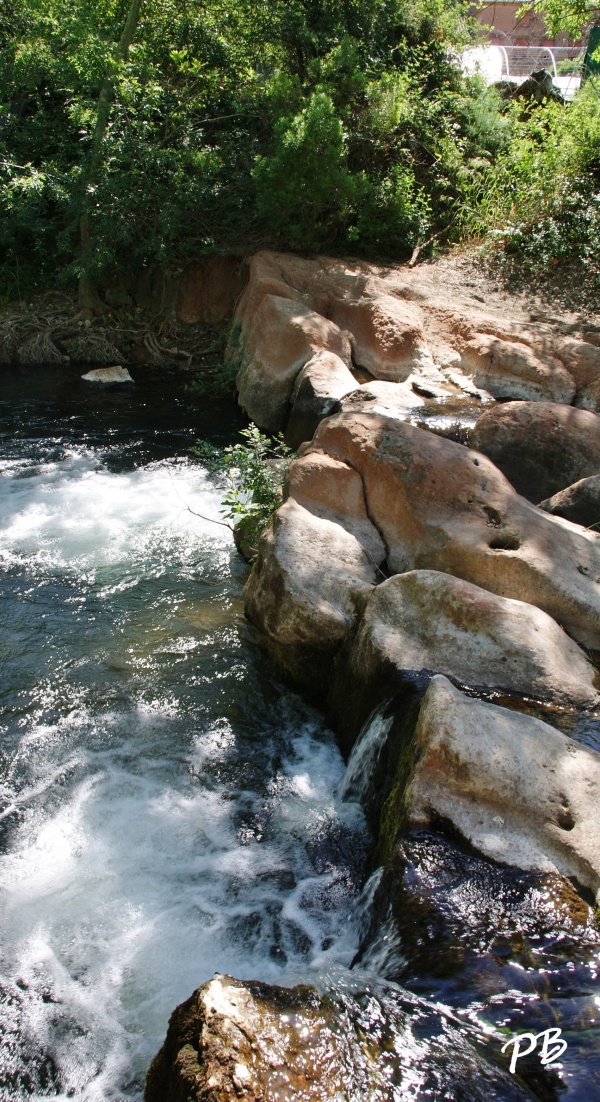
x: 169, y: 810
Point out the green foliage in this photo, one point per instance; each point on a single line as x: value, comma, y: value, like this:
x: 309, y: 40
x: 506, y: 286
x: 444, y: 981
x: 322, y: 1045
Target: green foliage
x: 254, y: 475
x: 304, y: 189
x: 232, y: 126
x: 572, y: 16
x: 541, y: 196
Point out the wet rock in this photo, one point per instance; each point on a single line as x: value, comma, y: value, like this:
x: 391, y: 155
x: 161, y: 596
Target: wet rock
x: 318, y: 388
x: 440, y: 506
x: 518, y: 790
x: 262, y: 1043
x: 425, y: 620
x: 108, y: 375
x: 390, y: 399
x: 507, y: 369
x: 579, y: 503
x: 248, y: 1040
x: 541, y: 447
x: 308, y: 582
x: 281, y: 338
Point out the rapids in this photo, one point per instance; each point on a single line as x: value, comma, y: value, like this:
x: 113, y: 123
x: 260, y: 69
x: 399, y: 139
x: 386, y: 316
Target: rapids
x: 168, y: 809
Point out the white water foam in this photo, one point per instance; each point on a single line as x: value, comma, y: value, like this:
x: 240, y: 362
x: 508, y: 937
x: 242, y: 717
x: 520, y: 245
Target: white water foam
x: 172, y: 834
x: 364, y: 757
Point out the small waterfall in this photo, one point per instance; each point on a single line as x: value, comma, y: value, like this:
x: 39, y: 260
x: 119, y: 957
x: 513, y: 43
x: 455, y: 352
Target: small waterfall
x: 365, y: 754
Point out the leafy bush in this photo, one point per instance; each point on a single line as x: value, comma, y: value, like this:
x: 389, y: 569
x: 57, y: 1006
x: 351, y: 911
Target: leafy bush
x: 540, y: 198
x: 233, y: 126
x: 254, y: 475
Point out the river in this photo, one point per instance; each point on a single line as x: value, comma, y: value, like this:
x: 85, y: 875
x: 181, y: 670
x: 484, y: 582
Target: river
x: 168, y: 809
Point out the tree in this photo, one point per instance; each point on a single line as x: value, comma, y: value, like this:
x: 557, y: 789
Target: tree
x: 572, y: 16
x: 88, y: 296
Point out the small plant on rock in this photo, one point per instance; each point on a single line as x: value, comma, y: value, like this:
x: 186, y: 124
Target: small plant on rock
x: 254, y: 475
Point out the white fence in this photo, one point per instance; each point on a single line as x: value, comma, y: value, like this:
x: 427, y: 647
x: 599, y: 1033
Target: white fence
x: 516, y: 63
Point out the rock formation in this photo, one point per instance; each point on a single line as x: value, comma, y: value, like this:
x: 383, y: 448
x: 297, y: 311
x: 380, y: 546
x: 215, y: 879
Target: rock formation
x: 518, y: 790
x: 541, y: 447
x: 397, y: 326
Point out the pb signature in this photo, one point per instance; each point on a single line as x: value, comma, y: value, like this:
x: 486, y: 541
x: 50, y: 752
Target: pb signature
x: 552, y: 1046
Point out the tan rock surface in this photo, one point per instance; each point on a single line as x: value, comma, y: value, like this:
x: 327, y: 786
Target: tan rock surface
x: 541, y: 447
x: 308, y: 582
x: 441, y: 506
x: 579, y: 503
x: 283, y: 336
x: 425, y: 620
x: 334, y: 491
x: 518, y: 790
x: 317, y: 391
x: 509, y: 370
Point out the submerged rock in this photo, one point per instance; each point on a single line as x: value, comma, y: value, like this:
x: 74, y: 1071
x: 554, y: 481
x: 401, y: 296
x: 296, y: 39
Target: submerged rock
x: 426, y: 620
x: 518, y: 790
x: 438, y: 505
x: 541, y: 447
x: 579, y: 503
x: 262, y: 1043
x: 114, y: 374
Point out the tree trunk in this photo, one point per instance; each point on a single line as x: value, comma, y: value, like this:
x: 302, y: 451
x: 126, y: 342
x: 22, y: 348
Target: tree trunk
x: 89, y: 299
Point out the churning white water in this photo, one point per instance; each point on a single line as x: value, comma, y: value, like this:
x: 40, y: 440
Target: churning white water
x: 166, y: 811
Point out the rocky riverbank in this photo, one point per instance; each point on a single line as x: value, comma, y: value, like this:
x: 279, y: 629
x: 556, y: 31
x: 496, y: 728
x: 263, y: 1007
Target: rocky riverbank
x: 434, y: 565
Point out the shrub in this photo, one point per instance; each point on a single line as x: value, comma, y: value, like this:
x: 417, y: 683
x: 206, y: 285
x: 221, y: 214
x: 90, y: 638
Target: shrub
x: 254, y: 475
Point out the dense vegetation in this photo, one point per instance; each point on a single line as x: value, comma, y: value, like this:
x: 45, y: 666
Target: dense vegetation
x: 332, y: 125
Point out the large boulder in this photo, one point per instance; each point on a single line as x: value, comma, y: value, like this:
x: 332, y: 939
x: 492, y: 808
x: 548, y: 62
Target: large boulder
x: 386, y: 333
x: 250, y: 1040
x: 333, y: 491
x: 517, y: 789
x: 427, y: 621
x: 582, y: 360
x: 317, y: 391
x: 579, y: 503
x: 261, y: 1043
x: 541, y: 447
x: 507, y: 369
x: 282, y: 337
x: 438, y: 505
x: 307, y: 585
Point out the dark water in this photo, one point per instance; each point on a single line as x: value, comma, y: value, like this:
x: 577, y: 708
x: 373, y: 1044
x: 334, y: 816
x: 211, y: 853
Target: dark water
x: 169, y: 810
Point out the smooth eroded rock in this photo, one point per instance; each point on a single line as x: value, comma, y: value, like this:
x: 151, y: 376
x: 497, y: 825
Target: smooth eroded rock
x: 427, y: 621
x: 308, y: 582
x: 579, y: 503
x: 440, y: 506
x: 507, y: 369
x: 282, y: 337
x: 541, y: 447
x: 518, y: 790
x: 114, y: 374
x: 387, y: 333
x: 334, y: 491
x: 317, y: 391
